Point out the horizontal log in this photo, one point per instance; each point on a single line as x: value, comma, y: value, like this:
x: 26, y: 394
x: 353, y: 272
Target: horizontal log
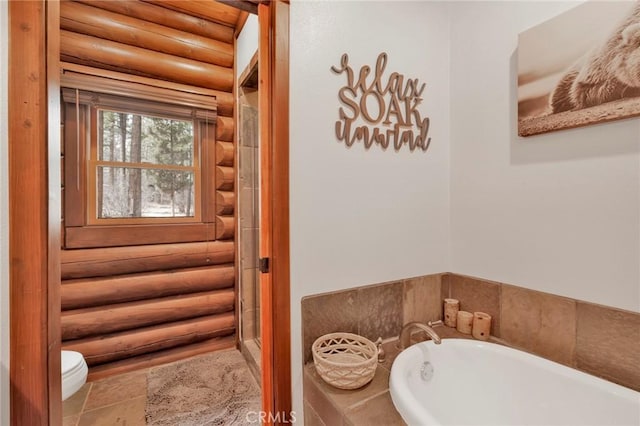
x: 224, y: 178
x: 160, y: 357
x: 102, y: 262
x: 224, y: 129
x: 157, y: 14
x: 88, y: 20
x: 93, y: 51
x: 225, y: 202
x: 225, y: 227
x: 207, y: 9
x: 224, y: 153
x: 223, y: 99
x: 84, y: 293
x: 114, y: 236
x: 116, y: 346
x: 97, y: 321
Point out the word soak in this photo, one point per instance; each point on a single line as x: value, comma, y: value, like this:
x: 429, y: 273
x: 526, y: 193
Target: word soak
x: 387, y: 108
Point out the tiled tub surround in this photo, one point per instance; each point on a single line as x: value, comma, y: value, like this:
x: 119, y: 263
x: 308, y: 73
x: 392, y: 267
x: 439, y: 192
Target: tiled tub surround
x: 372, y: 311
x: 599, y: 340
x: 326, y: 405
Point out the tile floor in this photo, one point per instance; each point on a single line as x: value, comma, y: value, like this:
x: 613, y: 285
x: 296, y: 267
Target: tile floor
x: 118, y: 400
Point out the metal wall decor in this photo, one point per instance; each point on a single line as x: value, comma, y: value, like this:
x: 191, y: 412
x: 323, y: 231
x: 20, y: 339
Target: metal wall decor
x: 381, y: 111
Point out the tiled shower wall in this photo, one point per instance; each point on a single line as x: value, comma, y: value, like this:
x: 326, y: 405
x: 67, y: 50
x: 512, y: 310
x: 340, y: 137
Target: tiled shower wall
x: 599, y: 340
x: 248, y: 227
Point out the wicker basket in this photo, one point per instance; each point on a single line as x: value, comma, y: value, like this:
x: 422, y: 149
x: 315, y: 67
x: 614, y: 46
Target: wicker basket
x: 345, y: 360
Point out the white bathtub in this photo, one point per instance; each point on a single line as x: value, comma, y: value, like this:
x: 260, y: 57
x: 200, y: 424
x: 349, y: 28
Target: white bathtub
x: 478, y: 383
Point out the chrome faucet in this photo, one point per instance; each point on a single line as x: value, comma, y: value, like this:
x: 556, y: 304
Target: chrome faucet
x: 405, y: 334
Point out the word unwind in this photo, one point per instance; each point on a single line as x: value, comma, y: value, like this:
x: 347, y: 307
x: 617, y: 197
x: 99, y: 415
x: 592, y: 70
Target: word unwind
x: 396, y: 101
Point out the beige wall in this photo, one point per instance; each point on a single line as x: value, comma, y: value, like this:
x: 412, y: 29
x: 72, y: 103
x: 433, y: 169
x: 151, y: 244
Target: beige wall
x: 247, y: 43
x: 361, y: 216
x: 558, y: 212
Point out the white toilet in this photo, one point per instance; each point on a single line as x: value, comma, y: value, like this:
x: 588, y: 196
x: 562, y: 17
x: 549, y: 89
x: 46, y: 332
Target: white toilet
x: 74, y: 373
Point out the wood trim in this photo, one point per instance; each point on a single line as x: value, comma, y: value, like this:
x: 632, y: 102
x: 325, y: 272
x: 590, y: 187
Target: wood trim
x: 208, y: 155
x: 143, y: 108
x: 223, y: 99
x: 139, y: 97
x: 249, y: 71
x: 220, y: 195
x: 81, y: 166
x: 161, y: 357
x: 54, y: 145
x: 280, y: 295
x: 243, y: 6
x: 35, y: 389
x: 242, y: 19
x: 75, y: 171
x: 77, y: 237
x: 125, y: 98
x: 274, y: 222
x: 266, y: 279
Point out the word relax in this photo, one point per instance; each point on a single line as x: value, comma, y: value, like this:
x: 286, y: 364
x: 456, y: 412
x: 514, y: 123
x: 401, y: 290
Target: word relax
x: 397, y: 101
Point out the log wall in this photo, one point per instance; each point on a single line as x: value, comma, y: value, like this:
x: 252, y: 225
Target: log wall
x: 127, y: 307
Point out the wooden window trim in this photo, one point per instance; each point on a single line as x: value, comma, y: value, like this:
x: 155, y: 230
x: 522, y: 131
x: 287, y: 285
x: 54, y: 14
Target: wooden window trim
x: 80, y: 108
x: 108, y: 86
x: 115, y: 236
x: 128, y: 101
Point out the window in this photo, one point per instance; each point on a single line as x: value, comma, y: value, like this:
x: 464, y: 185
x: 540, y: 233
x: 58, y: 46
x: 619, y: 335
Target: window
x: 137, y: 170
x: 143, y: 169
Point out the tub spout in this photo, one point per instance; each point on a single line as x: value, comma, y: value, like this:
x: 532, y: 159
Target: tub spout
x: 405, y: 334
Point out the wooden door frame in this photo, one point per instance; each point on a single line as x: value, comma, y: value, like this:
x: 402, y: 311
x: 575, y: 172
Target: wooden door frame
x: 274, y: 210
x: 34, y: 213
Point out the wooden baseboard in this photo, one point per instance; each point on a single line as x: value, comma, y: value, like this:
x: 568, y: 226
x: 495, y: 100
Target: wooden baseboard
x: 160, y: 357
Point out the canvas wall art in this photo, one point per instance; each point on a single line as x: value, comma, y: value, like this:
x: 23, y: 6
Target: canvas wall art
x: 580, y: 68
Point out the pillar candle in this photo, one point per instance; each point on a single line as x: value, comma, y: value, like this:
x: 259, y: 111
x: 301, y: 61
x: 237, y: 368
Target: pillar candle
x: 451, y: 307
x: 464, y: 322
x: 481, y: 325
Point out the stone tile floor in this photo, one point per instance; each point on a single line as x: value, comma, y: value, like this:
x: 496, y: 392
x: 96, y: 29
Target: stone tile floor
x: 117, y: 400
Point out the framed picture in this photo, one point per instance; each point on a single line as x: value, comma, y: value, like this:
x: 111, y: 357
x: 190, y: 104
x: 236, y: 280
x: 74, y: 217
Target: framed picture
x: 580, y: 68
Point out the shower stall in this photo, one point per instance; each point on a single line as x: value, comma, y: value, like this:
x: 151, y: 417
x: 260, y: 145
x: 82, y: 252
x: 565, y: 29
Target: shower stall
x: 248, y: 214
